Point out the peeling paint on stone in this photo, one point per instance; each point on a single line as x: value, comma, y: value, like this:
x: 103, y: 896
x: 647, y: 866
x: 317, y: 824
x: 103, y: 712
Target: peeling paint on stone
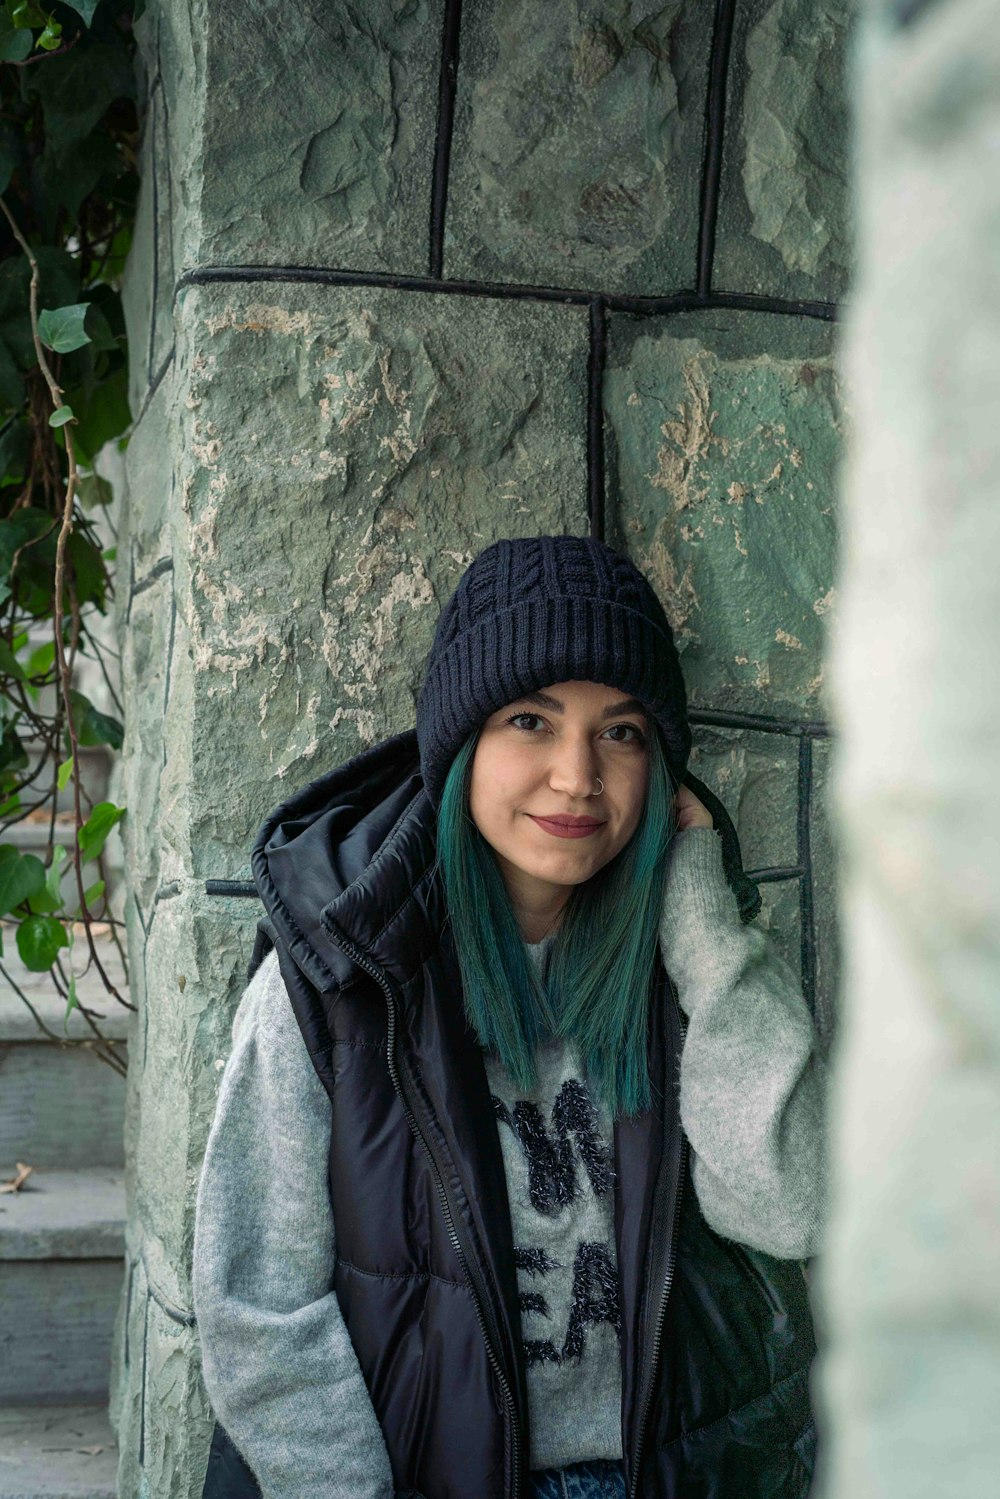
x: 686, y: 461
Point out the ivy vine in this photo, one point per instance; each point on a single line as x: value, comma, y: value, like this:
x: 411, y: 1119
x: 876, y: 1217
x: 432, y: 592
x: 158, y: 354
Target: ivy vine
x: 69, y: 139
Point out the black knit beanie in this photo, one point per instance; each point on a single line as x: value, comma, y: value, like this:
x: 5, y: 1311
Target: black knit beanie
x: 533, y: 611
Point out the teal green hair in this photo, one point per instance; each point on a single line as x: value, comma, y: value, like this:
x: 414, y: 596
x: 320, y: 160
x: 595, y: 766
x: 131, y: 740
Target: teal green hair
x: 600, y: 969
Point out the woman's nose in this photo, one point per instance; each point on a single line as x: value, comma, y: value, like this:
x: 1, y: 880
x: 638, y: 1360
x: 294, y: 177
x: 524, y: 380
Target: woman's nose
x: 573, y: 770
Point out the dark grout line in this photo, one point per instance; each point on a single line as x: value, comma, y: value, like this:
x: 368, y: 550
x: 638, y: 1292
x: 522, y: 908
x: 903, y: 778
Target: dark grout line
x: 772, y: 875
x: 674, y: 302
x: 807, y: 917
x: 447, y: 85
x: 715, y: 118
x: 765, y: 724
x: 595, y: 418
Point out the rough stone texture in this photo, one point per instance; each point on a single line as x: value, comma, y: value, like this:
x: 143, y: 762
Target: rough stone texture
x: 909, y: 1373
x: 297, y: 136
x: 724, y: 432
x: 158, y: 1402
x: 576, y: 156
x: 377, y: 441
x: 784, y: 225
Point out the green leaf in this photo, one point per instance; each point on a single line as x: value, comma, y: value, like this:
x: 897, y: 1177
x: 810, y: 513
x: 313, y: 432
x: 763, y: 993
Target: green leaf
x: 53, y: 875
x: 51, y: 36
x: 60, y: 286
x: 9, y: 662
x: 21, y: 875
x: 13, y: 445
x: 89, y: 572
x: 26, y: 13
x: 84, y: 8
x: 102, y: 416
x: 15, y: 43
x: 92, y: 489
x: 41, y: 659
x: 61, y: 328
x: 39, y: 939
x: 11, y: 380
x: 94, y: 892
x: 93, y: 835
x: 61, y: 416
x: 43, y: 903
x: 93, y: 726
x: 72, y: 1003
x: 65, y: 772
x: 12, y: 804
x: 77, y: 94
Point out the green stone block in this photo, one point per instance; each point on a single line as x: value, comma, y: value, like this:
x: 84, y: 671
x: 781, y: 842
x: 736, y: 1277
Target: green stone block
x: 724, y: 433
x: 577, y: 147
x: 346, y: 453
x: 195, y: 959
x: 148, y: 281
x: 755, y: 776
x: 315, y: 134
x: 784, y: 226
x: 144, y: 533
x: 780, y: 917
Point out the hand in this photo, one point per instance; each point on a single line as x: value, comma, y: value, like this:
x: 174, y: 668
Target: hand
x: 691, y: 813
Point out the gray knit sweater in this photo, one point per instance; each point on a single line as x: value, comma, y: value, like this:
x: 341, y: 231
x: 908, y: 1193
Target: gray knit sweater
x: 278, y: 1364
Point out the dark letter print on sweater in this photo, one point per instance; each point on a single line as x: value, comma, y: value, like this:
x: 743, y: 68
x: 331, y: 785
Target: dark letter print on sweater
x: 559, y: 1181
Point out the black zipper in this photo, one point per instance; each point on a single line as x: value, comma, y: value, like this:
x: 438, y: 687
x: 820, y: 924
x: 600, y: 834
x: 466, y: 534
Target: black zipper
x: 668, y: 1276
x: 480, y: 1294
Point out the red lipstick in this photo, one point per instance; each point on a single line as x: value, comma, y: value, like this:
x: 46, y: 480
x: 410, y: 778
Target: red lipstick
x: 564, y: 825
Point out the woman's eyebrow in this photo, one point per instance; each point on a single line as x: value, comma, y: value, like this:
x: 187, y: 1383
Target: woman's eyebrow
x: 545, y: 700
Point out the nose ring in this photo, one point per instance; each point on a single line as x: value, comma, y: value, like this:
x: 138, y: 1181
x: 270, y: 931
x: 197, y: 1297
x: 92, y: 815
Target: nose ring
x: 600, y: 787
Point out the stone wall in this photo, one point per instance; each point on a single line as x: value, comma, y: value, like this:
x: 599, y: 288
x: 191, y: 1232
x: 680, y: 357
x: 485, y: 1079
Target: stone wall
x: 401, y: 286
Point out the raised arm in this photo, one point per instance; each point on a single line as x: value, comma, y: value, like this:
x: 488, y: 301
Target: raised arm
x: 279, y: 1366
x: 752, y: 1079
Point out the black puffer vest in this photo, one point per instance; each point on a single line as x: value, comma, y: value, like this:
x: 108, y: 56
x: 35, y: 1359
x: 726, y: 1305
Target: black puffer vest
x: 716, y: 1338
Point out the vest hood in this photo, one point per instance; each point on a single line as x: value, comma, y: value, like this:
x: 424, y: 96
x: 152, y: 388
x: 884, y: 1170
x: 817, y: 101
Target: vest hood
x: 354, y: 848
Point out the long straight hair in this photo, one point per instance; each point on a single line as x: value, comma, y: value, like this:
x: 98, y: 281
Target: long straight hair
x: 597, y: 987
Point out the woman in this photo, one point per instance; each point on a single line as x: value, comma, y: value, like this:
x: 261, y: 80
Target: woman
x: 448, y: 1242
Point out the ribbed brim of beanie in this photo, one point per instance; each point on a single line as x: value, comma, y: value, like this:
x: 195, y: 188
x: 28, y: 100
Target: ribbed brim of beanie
x: 532, y: 612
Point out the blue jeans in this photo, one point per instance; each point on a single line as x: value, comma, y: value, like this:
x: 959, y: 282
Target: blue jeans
x: 600, y: 1479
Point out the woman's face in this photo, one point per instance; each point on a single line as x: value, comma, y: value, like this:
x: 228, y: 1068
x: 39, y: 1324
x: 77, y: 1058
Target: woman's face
x: 540, y: 757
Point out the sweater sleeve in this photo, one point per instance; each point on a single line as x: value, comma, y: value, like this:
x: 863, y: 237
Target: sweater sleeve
x: 752, y: 1078
x: 278, y: 1363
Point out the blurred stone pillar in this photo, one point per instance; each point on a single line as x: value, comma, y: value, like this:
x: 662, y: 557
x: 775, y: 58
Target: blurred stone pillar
x: 911, y: 1278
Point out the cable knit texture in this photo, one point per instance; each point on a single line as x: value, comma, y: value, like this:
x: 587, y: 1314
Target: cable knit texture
x: 279, y: 1366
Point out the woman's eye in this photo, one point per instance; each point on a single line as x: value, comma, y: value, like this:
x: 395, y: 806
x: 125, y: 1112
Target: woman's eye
x: 515, y: 717
x: 638, y: 737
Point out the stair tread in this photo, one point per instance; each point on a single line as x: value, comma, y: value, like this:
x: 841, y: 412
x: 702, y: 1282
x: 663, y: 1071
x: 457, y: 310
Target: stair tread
x: 44, y: 1452
x: 17, y: 1022
x: 65, y: 1215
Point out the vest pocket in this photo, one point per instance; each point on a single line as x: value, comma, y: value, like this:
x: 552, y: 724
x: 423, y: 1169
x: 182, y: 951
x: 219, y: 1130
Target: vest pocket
x: 763, y: 1449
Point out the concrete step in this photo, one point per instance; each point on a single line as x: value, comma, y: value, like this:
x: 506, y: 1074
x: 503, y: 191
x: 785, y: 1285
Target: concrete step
x: 60, y: 1106
x: 57, y: 1452
x: 62, y: 1245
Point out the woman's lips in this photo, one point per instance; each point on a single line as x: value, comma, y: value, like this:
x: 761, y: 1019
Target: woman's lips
x: 566, y: 829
